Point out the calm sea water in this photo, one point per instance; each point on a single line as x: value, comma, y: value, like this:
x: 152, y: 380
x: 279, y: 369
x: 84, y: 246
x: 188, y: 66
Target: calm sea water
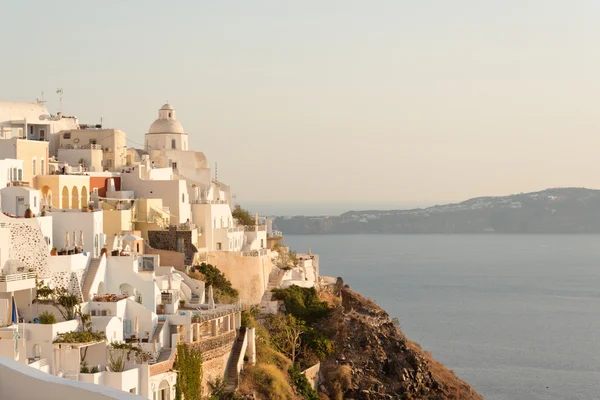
x: 516, y: 316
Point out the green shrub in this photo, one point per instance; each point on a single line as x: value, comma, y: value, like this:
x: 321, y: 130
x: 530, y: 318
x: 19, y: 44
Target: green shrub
x: 301, y: 384
x: 47, y: 318
x: 302, y: 303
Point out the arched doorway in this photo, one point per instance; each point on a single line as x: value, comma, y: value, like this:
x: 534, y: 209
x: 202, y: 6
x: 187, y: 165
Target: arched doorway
x: 46, y: 196
x: 75, y: 197
x: 84, y: 197
x: 65, y: 200
x: 100, y: 289
x: 164, y: 391
x: 127, y: 289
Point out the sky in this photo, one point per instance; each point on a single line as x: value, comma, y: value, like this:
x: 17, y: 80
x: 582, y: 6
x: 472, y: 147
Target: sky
x: 347, y: 103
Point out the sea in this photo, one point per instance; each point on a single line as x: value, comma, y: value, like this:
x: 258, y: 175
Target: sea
x: 515, y: 316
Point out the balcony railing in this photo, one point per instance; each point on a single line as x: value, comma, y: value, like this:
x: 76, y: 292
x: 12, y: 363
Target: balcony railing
x: 80, y: 146
x: 254, y: 253
x: 204, y: 201
x: 252, y: 228
x: 17, y: 277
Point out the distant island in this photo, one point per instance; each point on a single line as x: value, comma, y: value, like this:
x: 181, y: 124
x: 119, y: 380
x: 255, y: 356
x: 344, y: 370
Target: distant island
x: 551, y: 211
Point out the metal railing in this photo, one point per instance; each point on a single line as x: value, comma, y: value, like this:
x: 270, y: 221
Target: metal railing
x: 17, y: 277
x: 203, y: 201
x: 254, y: 253
x: 80, y: 146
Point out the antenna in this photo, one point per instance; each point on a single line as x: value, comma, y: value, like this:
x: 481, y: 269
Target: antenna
x: 41, y: 101
x: 59, y: 92
x: 216, y: 171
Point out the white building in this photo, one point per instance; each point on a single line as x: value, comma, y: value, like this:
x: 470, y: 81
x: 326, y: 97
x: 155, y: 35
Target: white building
x: 17, y: 199
x: 11, y: 170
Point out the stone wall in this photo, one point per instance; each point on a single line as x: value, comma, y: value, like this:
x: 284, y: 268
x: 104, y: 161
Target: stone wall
x: 167, y: 240
x: 249, y: 275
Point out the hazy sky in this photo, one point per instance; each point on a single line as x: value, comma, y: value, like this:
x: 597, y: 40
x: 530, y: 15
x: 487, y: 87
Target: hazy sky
x: 363, y: 102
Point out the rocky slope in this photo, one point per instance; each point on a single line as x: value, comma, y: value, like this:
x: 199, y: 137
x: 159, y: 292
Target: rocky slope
x: 563, y: 210
x: 374, y: 360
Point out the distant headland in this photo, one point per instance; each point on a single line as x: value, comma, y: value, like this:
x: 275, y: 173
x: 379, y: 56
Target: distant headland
x: 550, y: 211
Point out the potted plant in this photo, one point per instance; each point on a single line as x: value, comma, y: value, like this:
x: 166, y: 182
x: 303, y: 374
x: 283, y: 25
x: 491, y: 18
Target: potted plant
x: 91, y: 208
x: 54, y: 251
x: 62, y: 252
x: 114, y: 253
x: 181, y: 303
x: 160, y: 309
x: 103, y: 252
x: 84, y: 209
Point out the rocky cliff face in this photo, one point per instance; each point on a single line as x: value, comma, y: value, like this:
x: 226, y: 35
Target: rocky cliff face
x: 374, y: 360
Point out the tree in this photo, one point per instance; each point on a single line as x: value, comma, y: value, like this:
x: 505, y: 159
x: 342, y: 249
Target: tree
x: 189, y: 377
x: 242, y: 216
x: 286, y: 334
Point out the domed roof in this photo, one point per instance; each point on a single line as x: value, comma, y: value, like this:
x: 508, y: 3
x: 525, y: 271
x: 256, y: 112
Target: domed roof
x: 167, y: 106
x: 166, y: 125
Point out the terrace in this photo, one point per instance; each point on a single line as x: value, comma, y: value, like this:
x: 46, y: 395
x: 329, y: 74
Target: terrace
x: 16, y: 282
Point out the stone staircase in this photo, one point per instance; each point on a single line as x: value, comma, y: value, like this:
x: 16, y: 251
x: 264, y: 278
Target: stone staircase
x: 164, y: 355
x: 89, y: 277
x: 159, y: 327
x: 275, y: 279
x: 231, y: 376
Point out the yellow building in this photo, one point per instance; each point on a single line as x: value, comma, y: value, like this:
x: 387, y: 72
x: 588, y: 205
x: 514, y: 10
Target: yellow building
x: 63, y: 191
x: 34, y: 154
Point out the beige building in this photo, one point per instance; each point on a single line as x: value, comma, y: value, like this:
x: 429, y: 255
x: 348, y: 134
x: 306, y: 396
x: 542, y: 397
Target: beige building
x: 111, y: 142
x: 34, y: 154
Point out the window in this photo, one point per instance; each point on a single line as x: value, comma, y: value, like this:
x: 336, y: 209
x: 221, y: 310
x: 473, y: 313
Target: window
x: 42, y: 134
x: 180, y: 245
x: 42, y: 167
x: 33, y: 172
x: 67, y: 135
x: 262, y: 243
x: 219, y: 246
x: 20, y: 174
x: 170, y: 115
x: 173, y: 142
x: 183, y: 197
x: 35, y: 201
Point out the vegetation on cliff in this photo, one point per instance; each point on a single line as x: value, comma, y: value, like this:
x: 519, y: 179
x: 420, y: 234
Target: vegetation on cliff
x: 363, y: 355
x: 223, y: 292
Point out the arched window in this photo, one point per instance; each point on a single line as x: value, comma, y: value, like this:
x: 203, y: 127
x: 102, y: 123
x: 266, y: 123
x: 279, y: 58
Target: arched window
x: 42, y: 167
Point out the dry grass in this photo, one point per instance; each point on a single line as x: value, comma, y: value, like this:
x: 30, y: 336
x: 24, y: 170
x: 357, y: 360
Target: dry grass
x: 268, y: 382
x: 338, y: 379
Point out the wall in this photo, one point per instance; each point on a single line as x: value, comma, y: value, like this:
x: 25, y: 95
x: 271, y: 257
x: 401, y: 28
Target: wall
x: 168, y: 258
x: 25, y: 150
x: 174, y: 194
x: 101, y: 183
x: 116, y: 221
x: 90, y: 223
x: 28, y: 243
x: 113, y: 139
x: 312, y: 374
x: 92, y: 158
x: 20, y: 382
x: 31, y: 199
x: 249, y: 275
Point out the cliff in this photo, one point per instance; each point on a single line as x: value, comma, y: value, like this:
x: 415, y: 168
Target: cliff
x: 563, y: 210
x: 374, y: 360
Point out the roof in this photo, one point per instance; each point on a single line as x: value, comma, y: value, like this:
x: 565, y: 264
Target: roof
x: 16, y: 110
x: 166, y: 125
x: 167, y: 106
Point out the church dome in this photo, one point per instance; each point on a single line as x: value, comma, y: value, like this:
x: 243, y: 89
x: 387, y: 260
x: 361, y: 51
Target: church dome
x: 166, y: 125
x: 166, y: 122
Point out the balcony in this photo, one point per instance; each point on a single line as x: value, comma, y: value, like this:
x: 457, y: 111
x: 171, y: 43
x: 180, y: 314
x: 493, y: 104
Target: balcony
x: 16, y: 282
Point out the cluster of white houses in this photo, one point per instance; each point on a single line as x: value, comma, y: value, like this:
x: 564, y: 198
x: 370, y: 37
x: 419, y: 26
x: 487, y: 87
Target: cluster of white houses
x: 119, y: 228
